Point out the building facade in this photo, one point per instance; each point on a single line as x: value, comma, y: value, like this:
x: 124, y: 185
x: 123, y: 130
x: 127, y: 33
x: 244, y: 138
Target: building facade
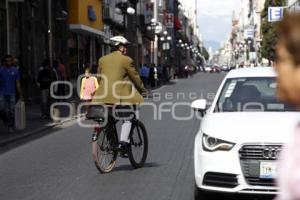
x: 86, y: 35
x: 77, y: 32
x: 294, y: 5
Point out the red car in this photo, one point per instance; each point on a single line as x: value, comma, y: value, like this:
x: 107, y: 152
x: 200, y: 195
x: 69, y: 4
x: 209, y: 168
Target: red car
x: 215, y: 69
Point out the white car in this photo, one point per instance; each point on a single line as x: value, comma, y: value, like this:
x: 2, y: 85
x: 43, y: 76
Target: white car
x: 207, y: 68
x: 241, y: 135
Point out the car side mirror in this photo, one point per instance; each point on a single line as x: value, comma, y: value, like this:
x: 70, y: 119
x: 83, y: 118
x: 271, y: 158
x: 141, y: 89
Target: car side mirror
x: 200, y: 105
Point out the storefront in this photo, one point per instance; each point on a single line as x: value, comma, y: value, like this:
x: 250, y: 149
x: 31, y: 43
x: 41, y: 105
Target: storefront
x: 86, y: 39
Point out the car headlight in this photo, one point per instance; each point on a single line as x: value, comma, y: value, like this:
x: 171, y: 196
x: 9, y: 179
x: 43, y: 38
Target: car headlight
x: 214, y: 144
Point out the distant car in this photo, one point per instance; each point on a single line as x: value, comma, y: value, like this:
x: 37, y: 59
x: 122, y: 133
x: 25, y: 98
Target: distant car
x: 207, y: 68
x: 225, y: 68
x: 241, y: 135
x: 215, y: 69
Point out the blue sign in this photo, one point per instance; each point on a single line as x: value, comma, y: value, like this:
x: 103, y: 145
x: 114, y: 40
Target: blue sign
x: 249, y: 33
x: 275, y: 14
x: 91, y: 14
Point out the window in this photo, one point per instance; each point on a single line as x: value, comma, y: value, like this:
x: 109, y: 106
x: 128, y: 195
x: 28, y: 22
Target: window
x: 250, y: 95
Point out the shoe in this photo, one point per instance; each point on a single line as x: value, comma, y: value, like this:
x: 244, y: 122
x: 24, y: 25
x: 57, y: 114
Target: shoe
x: 124, y: 149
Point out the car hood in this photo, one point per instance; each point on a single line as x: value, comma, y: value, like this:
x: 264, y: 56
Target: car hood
x: 246, y: 127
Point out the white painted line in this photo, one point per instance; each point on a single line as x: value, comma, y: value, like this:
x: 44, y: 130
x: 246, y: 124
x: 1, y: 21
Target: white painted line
x: 158, y: 89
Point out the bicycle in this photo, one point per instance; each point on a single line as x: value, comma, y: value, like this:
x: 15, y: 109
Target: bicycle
x: 105, y: 141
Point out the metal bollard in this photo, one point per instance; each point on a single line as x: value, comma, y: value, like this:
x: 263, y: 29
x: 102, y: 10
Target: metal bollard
x: 73, y: 111
x: 56, y: 115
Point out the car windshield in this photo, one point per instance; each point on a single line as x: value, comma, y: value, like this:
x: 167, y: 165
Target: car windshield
x: 250, y: 95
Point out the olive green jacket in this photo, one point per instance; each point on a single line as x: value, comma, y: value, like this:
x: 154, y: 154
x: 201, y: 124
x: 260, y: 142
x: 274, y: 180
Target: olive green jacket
x: 119, y: 81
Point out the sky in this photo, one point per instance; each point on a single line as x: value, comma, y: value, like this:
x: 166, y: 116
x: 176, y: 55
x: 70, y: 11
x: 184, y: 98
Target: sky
x: 214, y: 18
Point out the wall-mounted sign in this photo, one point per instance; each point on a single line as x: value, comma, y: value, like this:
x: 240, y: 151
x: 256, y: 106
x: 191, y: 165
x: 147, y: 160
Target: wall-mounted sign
x: 249, y: 33
x: 275, y: 14
x: 149, y: 10
x: 169, y: 20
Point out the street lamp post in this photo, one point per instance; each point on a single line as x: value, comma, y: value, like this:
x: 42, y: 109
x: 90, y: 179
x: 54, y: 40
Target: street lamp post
x: 165, y: 43
x: 124, y: 8
x: 50, y: 34
x: 156, y: 28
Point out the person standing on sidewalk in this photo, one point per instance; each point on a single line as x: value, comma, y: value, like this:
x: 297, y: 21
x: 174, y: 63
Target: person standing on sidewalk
x: 145, y: 72
x: 45, y: 78
x: 9, y: 86
x: 89, y: 85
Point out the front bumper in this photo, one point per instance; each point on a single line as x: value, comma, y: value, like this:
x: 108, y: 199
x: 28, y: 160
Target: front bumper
x: 222, y: 172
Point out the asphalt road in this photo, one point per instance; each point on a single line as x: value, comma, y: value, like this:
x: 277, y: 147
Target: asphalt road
x: 59, y: 165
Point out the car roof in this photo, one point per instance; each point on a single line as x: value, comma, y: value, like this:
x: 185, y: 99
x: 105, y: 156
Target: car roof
x: 252, y: 72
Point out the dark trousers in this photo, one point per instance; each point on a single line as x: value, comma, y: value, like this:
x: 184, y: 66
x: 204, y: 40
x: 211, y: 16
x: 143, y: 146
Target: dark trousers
x: 145, y: 81
x: 45, y: 102
x: 7, y: 109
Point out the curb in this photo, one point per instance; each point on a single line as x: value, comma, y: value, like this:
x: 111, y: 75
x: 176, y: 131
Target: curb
x: 37, y: 131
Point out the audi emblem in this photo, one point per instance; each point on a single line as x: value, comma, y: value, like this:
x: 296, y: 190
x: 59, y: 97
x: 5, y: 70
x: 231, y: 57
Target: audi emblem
x: 271, y: 153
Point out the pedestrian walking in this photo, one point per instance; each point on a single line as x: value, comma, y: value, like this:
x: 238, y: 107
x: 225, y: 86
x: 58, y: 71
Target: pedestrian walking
x: 288, y: 69
x: 9, y: 87
x: 152, y: 75
x: 46, y: 77
x: 144, y: 73
x: 61, y: 76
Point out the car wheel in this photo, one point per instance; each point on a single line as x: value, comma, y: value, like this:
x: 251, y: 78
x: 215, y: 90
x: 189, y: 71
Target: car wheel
x: 200, y: 194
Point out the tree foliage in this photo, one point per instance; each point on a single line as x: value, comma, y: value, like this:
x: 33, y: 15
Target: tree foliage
x: 268, y: 31
x: 205, y: 53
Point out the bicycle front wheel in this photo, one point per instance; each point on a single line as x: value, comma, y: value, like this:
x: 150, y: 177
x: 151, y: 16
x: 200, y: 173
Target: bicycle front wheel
x: 104, y: 152
x: 138, y: 151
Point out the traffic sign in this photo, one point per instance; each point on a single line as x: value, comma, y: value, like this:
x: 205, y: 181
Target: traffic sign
x: 275, y: 14
x: 158, y: 28
x: 149, y: 12
x: 169, y: 20
x: 249, y: 33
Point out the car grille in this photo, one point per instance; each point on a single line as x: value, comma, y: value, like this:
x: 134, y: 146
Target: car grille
x: 260, y: 152
x: 220, y: 180
x: 251, y: 156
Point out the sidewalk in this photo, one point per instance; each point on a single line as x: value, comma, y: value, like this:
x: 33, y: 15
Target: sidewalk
x: 34, y: 124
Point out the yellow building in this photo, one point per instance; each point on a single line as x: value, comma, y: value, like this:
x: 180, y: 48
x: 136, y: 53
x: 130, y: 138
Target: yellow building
x: 86, y: 16
x: 86, y: 26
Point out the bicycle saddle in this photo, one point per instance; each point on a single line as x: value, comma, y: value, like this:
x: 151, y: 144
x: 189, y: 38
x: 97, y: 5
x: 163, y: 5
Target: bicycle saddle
x: 96, y: 112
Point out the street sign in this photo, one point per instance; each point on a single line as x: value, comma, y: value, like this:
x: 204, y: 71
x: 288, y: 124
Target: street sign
x: 149, y: 12
x: 249, y: 33
x: 275, y: 14
x: 158, y: 28
x: 166, y: 46
x: 169, y: 20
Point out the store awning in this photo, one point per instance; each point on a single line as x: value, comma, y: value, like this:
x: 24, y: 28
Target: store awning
x: 86, y: 30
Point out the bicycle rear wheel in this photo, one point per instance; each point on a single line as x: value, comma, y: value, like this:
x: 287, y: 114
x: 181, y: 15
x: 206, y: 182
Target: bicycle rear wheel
x: 138, y: 150
x: 105, y: 151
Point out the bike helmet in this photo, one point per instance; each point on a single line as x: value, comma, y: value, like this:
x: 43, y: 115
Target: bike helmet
x: 119, y: 40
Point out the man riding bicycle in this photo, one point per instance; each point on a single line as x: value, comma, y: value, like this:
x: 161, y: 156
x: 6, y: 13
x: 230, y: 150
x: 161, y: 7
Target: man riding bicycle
x: 119, y: 84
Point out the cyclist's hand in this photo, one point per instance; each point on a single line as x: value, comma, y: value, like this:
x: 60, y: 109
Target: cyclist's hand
x: 147, y: 94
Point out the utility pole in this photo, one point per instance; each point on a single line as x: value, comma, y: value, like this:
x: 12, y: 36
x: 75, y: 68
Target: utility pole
x: 50, y: 34
x: 7, y: 27
x: 155, y: 37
